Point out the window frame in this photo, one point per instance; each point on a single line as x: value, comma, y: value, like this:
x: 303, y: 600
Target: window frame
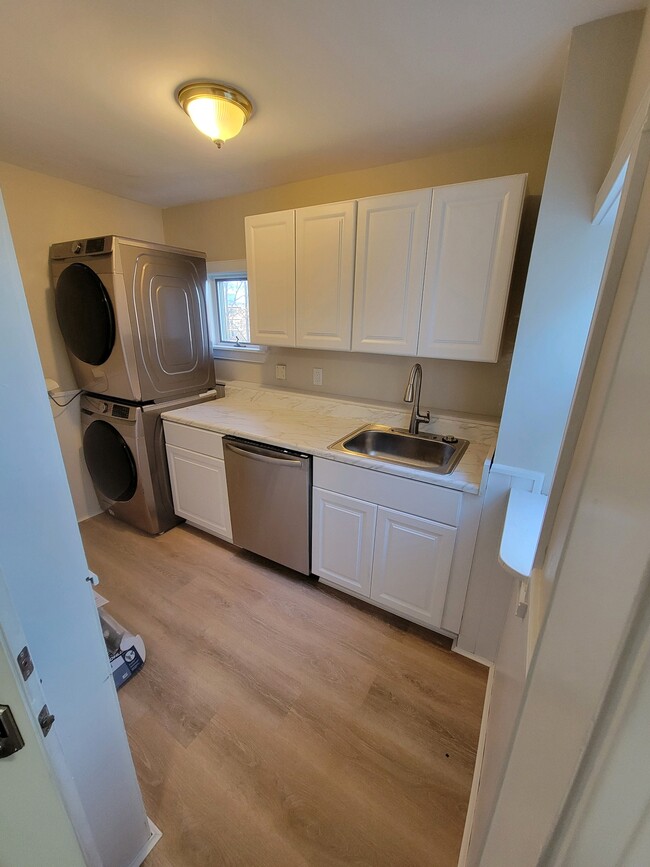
x: 228, y: 270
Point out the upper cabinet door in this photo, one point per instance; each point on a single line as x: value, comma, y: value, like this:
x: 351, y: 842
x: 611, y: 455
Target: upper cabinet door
x: 472, y: 242
x: 270, y: 261
x: 325, y: 240
x: 391, y: 249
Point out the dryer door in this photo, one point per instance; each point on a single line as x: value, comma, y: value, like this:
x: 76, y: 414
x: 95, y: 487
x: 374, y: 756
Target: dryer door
x: 85, y: 314
x: 110, y: 462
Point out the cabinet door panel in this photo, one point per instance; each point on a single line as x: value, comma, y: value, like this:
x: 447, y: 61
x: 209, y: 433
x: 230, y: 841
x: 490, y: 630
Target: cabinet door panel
x: 199, y: 490
x: 472, y: 241
x: 343, y: 535
x: 270, y: 262
x: 325, y: 242
x: 389, y: 275
x: 411, y: 565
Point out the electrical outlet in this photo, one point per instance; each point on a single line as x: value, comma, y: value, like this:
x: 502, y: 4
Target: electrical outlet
x: 318, y: 375
x: 280, y: 371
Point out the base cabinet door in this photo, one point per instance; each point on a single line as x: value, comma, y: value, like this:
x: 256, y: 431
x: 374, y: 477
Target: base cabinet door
x: 411, y: 565
x: 343, y: 536
x: 199, y: 490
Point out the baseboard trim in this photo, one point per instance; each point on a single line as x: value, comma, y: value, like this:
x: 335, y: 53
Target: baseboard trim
x: 156, y: 834
x: 81, y: 518
x: 478, y: 766
x: 468, y: 653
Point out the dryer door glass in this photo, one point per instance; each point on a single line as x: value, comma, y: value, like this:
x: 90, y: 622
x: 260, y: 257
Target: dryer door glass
x: 85, y: 314
x: 110, y: 462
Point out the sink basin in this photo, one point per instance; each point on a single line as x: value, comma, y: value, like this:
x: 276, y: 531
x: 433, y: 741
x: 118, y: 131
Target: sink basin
x: 396, y: 446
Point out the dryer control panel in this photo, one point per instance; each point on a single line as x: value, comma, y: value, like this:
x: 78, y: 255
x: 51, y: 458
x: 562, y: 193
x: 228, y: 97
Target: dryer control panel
x: 82, y: 247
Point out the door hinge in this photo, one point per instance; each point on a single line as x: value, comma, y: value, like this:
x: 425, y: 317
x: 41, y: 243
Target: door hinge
x: 25, y: 664
x: 522, y: 600
x: 45, y: 720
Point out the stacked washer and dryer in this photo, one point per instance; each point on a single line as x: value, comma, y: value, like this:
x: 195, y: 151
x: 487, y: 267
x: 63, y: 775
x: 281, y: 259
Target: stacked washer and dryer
x: 133, y: 317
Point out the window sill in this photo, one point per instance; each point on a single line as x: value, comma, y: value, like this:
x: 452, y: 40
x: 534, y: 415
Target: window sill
x: 230, y: 353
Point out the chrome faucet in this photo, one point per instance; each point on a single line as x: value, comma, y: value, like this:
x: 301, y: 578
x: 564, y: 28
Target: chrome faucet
x: 412, y: 395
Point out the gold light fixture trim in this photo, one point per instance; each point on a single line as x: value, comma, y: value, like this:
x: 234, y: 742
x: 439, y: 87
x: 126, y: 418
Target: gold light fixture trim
x: 217, y: 110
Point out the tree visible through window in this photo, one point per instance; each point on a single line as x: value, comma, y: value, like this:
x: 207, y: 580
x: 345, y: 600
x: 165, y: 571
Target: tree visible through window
x: 232, y: 298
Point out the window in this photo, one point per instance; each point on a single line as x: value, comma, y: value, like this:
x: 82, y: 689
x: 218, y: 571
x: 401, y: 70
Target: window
x: 228, y: 314
x: 232, y: 309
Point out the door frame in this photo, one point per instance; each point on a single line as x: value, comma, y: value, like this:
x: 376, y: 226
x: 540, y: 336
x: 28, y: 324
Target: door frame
x: 592, y: 609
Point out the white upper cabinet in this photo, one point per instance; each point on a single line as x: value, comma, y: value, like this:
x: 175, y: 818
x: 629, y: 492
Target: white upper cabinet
x: 325, y: 241
x: 429, y: 274
x: 390, y: 258
x: 472, y: 241
x: 270, y: 259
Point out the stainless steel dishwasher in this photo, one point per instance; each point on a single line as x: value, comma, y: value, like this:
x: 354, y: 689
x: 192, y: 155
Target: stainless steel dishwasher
x: 269, y: 491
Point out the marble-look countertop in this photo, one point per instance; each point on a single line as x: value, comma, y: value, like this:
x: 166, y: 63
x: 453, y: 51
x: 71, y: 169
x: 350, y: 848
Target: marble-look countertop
x: 310, y: 423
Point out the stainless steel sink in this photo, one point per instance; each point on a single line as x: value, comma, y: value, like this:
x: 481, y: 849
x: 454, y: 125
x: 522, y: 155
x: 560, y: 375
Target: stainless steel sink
x: 396, y: 446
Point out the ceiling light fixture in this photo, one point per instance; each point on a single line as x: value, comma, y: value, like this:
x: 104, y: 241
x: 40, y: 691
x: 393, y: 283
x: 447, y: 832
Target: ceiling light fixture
x: 217, y: 110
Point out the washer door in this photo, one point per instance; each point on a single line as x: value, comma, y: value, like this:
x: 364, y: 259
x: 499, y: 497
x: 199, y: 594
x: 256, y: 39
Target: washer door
x: 85, y: 314
x: 110, y: 462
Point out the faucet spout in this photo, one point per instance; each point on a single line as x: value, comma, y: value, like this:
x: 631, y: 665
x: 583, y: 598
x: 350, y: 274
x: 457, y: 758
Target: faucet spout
x: 412, y: 395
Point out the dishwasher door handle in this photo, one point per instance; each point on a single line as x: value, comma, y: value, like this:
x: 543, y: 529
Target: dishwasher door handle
x: 267, y: 459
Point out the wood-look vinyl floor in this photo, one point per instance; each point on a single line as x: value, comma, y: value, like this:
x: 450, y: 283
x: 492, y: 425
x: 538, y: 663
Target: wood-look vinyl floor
x: 277, y: 723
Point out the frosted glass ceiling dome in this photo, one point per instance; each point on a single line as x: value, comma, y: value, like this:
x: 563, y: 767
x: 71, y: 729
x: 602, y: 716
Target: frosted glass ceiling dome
x: 217, y: 110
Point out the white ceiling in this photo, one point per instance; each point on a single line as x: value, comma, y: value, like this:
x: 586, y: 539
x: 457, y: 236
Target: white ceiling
x: 88, y: 87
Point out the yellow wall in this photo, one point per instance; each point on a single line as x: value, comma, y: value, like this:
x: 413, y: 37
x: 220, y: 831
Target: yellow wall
x: 217, y: 227
x: 43, y: 210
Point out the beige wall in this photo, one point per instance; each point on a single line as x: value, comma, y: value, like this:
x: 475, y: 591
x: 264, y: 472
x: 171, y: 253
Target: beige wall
x: 570, y: 252
x: 639, y: 88
x: 461, y: 386
x: 217, y: 227
x: 43, y: 210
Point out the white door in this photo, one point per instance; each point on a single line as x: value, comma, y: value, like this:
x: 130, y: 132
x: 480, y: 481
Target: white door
x: 389, y: 275
x: 472, y: 242
x: 35, y: 827
x: 343, y: 535
x: 271, y: 268
x: 325, y: 242
x: 199, y: 490
x: 43, y: 566
x: 411, y: 565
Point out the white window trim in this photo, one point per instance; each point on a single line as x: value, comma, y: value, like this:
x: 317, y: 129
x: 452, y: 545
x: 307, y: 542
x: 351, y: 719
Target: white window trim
x: 222, y: 270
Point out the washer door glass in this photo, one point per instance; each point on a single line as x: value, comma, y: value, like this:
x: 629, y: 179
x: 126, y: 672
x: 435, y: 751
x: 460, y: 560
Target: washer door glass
x: 110, y: 462
x: 85, y: 314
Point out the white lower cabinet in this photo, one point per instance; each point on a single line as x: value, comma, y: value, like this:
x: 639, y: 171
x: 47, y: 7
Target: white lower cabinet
x: 198, y: 478
x: 411, y: 565
x: 400, y: 561
x: 344, y: 534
